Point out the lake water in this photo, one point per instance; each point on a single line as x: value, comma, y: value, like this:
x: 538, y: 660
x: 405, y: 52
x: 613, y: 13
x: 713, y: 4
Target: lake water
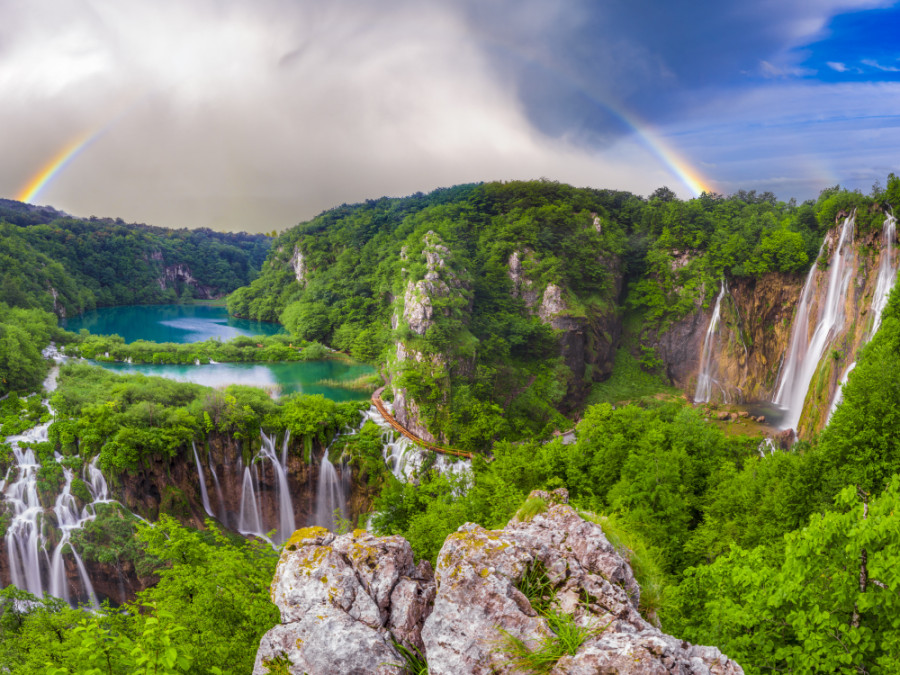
x: 196, y: 323
x: 168, y: 323
x: 279, y: 378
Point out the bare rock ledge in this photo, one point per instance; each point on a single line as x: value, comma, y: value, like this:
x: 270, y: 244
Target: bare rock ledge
x: 345, y: 600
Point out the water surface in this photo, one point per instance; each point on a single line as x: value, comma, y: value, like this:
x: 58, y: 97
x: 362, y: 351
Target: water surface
x: 278, y: 378
x: 168, y: 323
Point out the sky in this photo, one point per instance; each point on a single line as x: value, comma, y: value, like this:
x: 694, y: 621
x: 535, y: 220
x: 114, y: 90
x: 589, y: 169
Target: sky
x: 240, y: 115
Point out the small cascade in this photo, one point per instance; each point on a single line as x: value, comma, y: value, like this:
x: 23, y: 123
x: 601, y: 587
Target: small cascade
x: 330, y: 499
x: 839, y: 394
x: 807, y: 349
x: 766, y: 445
x: 223, y: 515
x: 249, y: 520
x: 203, y: 494
x: 704, y: 378
x: 96, y: 482
x: 403, y: 457
x: 887, y: 274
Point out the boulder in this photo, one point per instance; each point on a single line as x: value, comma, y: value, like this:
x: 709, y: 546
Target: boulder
x: 344, y: 600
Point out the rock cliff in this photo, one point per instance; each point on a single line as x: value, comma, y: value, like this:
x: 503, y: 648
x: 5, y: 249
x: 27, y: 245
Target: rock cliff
x: 347, y: 601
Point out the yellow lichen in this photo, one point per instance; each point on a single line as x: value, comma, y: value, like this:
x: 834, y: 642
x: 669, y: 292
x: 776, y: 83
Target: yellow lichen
x: 303, y: 534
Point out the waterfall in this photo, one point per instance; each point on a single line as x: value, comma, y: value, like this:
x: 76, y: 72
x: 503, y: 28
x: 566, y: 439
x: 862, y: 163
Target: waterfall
x: 286, y: 524
x: 26, y: 539
x: 329, y: 495
x: 704, y: 378
x: 249, y: 521
x: 212, y: 470
x: 805, y: 352
x: 887, y: 273
x: 839, y: 394
x: 203, y: 494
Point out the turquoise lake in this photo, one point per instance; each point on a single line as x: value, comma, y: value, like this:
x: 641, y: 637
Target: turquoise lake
x: 168, y: 323
x: 196, y: 323
x: 278, y: 378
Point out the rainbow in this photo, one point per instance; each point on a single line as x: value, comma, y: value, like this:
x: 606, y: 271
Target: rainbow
x: 52, y: 168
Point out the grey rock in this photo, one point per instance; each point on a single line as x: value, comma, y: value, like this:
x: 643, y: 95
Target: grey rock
x: 342, y: 600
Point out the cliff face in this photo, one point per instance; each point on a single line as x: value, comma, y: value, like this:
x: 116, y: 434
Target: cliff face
x: 587, y: 338
x: 346, y: 601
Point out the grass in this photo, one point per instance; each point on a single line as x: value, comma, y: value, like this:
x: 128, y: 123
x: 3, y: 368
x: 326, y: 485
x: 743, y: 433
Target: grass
x: 567, y: 636
x: 627, y: 382
x: 536, y: 586
x: 532, y: 507
x: 414, y: 662
x: 644, y: 560
x: 361, y: 383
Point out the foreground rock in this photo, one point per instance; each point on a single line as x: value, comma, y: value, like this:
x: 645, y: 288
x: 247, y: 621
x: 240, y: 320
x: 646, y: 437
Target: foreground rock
x: 343, y: 601
x: 342, y: 597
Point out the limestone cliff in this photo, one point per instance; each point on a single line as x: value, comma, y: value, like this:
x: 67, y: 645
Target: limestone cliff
x: 347, y: 601
x: 440, y: 298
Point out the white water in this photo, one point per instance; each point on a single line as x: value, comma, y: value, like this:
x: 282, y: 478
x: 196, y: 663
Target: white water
x: 887, y: 274
x: 805, y: 351
x: 32, y: 568
x: 704, y: 378
x: 286, y: 525
x: 839, y: 394
x: 212, y: 469
x: 330, y: 500
x: 204, y: 496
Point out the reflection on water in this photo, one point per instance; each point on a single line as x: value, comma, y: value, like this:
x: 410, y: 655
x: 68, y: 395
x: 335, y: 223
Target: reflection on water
x: 773, y: 414
x: 168, y: 323
x: 279, y: 378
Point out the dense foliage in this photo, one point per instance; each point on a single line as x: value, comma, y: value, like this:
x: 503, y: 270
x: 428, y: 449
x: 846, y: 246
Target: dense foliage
x: 344, y: 277
x: 54, y: 262
x: 206, y: 614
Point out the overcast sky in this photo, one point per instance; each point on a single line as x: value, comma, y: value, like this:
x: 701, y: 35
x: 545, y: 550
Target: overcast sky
x: 258, y: 115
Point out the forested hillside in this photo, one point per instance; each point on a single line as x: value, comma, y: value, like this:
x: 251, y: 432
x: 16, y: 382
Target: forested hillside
x: 58, y: 263
x: 495, y: 307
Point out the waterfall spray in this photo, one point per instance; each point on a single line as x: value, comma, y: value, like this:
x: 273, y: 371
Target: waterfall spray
x: 704, y: 378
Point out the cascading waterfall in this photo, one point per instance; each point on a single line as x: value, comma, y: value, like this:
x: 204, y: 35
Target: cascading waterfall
x: 330, y: 500
x: 251, y: 518
x: 286, y: 525
x: 887, y: 274
x: 32, y: 568
x: 805, y: 352
x: 704, y: 378
x: 204, y: 495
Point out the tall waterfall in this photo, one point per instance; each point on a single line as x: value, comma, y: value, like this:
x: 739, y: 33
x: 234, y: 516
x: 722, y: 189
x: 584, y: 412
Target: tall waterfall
x: 887, y: 274
x: 286, y: 525
x: 704, y: 378
x: 807, y: 349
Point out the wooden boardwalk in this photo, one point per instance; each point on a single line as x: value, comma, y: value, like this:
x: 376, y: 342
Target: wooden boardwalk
x: 379, y: 404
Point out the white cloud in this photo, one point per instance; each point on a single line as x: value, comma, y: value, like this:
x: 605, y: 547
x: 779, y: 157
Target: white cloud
x: 836, y: 65
x: 878, y: 66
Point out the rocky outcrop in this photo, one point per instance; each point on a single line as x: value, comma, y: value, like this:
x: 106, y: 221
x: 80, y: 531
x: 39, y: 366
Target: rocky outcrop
x: 587, y: 339
x: 173, y: 275
x: 298, y: 264
x: 344, y: 601
x: 441, y: 291
x: 341, y: 598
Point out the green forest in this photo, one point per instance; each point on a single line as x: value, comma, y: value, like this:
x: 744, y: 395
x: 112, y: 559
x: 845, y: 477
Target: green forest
x: 786, y: 560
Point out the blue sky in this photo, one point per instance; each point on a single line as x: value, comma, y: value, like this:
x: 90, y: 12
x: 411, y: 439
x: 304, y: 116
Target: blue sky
x: 238, y: 115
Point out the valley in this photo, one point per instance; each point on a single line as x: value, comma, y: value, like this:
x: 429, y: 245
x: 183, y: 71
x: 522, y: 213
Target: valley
x: 703, y: 378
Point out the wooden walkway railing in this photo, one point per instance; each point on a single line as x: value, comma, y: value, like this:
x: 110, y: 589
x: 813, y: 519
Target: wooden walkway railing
x: 379, y: 404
